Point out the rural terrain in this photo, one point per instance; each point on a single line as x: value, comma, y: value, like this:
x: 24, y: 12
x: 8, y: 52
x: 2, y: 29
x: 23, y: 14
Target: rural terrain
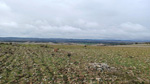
x: 74, y: 64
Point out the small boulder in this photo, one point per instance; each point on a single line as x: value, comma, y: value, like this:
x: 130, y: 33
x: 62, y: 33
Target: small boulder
x: 100, y: 67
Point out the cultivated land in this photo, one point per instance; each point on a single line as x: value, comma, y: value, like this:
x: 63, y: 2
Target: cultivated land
x: 69, y: 64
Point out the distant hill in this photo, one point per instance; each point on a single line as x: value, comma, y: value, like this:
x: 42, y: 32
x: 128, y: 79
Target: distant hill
x: 62, y: 40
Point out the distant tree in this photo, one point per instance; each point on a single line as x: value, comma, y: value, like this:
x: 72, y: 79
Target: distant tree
x: 147, y: 42
x: 122, y: 44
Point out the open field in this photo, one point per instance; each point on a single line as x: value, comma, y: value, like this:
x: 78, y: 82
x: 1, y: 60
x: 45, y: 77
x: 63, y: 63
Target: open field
x: 69, y: 64
x: 134, y: 45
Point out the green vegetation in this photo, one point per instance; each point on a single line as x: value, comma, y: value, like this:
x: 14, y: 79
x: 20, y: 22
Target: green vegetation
x: 41, y: 64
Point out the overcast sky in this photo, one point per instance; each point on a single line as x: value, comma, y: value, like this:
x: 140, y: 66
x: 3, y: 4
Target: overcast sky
x: 84, y: 19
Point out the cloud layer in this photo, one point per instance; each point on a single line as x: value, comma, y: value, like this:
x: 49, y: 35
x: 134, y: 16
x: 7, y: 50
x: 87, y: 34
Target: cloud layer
x: 93, y: 19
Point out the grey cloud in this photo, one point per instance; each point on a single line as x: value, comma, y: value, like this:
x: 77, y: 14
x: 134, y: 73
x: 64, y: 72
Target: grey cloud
x: 96, y: 19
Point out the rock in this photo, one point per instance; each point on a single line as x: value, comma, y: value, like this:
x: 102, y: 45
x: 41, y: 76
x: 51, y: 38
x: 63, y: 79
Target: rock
x: 0, y: 76
x: 113, y: 69
x: 139, y: 79
x: 130, y: 72
x: 101, y: 67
